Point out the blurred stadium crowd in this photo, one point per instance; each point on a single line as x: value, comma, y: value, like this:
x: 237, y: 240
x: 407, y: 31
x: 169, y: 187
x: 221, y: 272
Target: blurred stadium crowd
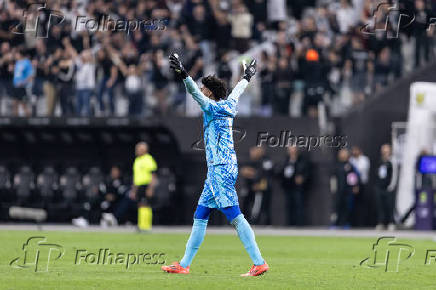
x: 319, y: 53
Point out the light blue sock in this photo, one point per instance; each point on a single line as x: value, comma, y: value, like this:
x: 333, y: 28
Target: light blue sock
x: 197, y: 236
x: 246, y: 235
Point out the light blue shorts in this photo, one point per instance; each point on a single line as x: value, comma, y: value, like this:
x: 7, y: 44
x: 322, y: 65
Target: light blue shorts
x: 219, y: 187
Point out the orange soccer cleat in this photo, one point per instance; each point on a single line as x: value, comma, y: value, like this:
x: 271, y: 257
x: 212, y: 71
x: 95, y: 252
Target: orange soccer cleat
x: 257, y: 270
x: 175, y: 268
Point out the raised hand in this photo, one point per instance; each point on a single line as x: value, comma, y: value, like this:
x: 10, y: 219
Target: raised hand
x: 250, y: 70
x: 177, y: 66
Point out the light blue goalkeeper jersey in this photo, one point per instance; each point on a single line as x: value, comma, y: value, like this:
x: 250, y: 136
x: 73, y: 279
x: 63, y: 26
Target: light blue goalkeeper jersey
x: 218, y: 122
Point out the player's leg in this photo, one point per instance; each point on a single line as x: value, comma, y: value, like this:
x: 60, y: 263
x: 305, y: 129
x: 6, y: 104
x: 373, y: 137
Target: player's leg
x: 227, y: 199
x: 201, y: 217
x: 198, y: 232
x: 246, y: 235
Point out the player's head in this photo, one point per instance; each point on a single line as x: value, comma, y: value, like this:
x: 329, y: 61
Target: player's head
x: 141, y: 149
x: 214, y: 88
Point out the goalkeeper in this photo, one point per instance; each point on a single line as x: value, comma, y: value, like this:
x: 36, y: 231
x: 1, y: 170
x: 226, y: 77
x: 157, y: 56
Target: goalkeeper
x: 219, y: 187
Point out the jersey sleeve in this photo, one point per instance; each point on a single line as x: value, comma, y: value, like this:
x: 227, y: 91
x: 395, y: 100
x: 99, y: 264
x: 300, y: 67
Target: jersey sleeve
x: 199, y: 97
x: 237, y: 91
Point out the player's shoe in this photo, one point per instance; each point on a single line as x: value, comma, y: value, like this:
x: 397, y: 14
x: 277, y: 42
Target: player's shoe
x: 256, y: 270
x: 175, y: 268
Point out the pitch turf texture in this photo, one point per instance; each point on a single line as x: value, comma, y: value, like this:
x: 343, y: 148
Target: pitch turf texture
x: 296, y: 263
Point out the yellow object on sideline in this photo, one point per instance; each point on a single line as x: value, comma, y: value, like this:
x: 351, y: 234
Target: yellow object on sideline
x: 145, y: 218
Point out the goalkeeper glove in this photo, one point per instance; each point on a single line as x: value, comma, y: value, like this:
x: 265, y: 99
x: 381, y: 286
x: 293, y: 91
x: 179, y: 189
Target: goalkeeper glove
x: 177, y: 66
x: 250, y: 70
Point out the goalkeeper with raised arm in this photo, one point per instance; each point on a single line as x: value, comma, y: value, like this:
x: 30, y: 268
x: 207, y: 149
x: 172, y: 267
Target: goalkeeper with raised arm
x: 222, y: 167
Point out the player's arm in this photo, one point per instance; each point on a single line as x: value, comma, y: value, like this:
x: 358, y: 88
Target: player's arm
x: 249, y: 72
x: 191, y: 86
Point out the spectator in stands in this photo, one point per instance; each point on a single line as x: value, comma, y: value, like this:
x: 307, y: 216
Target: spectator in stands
x: 294, y: 174
x: 23, y: 76
x: 383, y: 68
x: 241, y: 22
x: 38, y: 60
x: 283, y: 87
x: 384, y: 190
x: 85, y: 81
x: 107, y: 82
x: 224, y: 70
x: 421, y: 33
x: 65, y: 78
x: 6, y: 73
x: 222, y: 31
x: 345, y: 17
x: 362, y: 165
x: 345, y: 185
x: 50, y: 88
x: 313, y: 74
x: 257, y: 174
x: 133, y: 86
x: 267, y: 81
x: 306, y: 33
x: 160, y: 81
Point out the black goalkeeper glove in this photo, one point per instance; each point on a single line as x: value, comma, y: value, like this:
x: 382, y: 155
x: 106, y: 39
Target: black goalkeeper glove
x: 177, y: 66
x: 250, y: 70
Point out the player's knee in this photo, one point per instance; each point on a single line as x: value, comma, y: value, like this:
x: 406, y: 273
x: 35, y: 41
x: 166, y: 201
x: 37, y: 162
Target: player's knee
x: 231, y: 212
x: 202, y: 213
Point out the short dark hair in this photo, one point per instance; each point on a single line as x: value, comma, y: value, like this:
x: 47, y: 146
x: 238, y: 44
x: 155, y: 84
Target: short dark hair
x: 216, y: 86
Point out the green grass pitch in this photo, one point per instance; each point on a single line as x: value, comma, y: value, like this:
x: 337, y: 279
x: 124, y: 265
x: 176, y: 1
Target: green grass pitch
x: 296, y: 263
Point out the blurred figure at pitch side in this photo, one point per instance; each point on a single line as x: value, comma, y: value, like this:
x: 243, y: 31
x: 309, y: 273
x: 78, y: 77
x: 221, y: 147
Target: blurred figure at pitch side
x: 115, y: 190
x: 385, y: 196
x: 294, y: 174
x: 141, y: 193
x: 257, y: 174
x: 345, y: 185
x: 361, y: 164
